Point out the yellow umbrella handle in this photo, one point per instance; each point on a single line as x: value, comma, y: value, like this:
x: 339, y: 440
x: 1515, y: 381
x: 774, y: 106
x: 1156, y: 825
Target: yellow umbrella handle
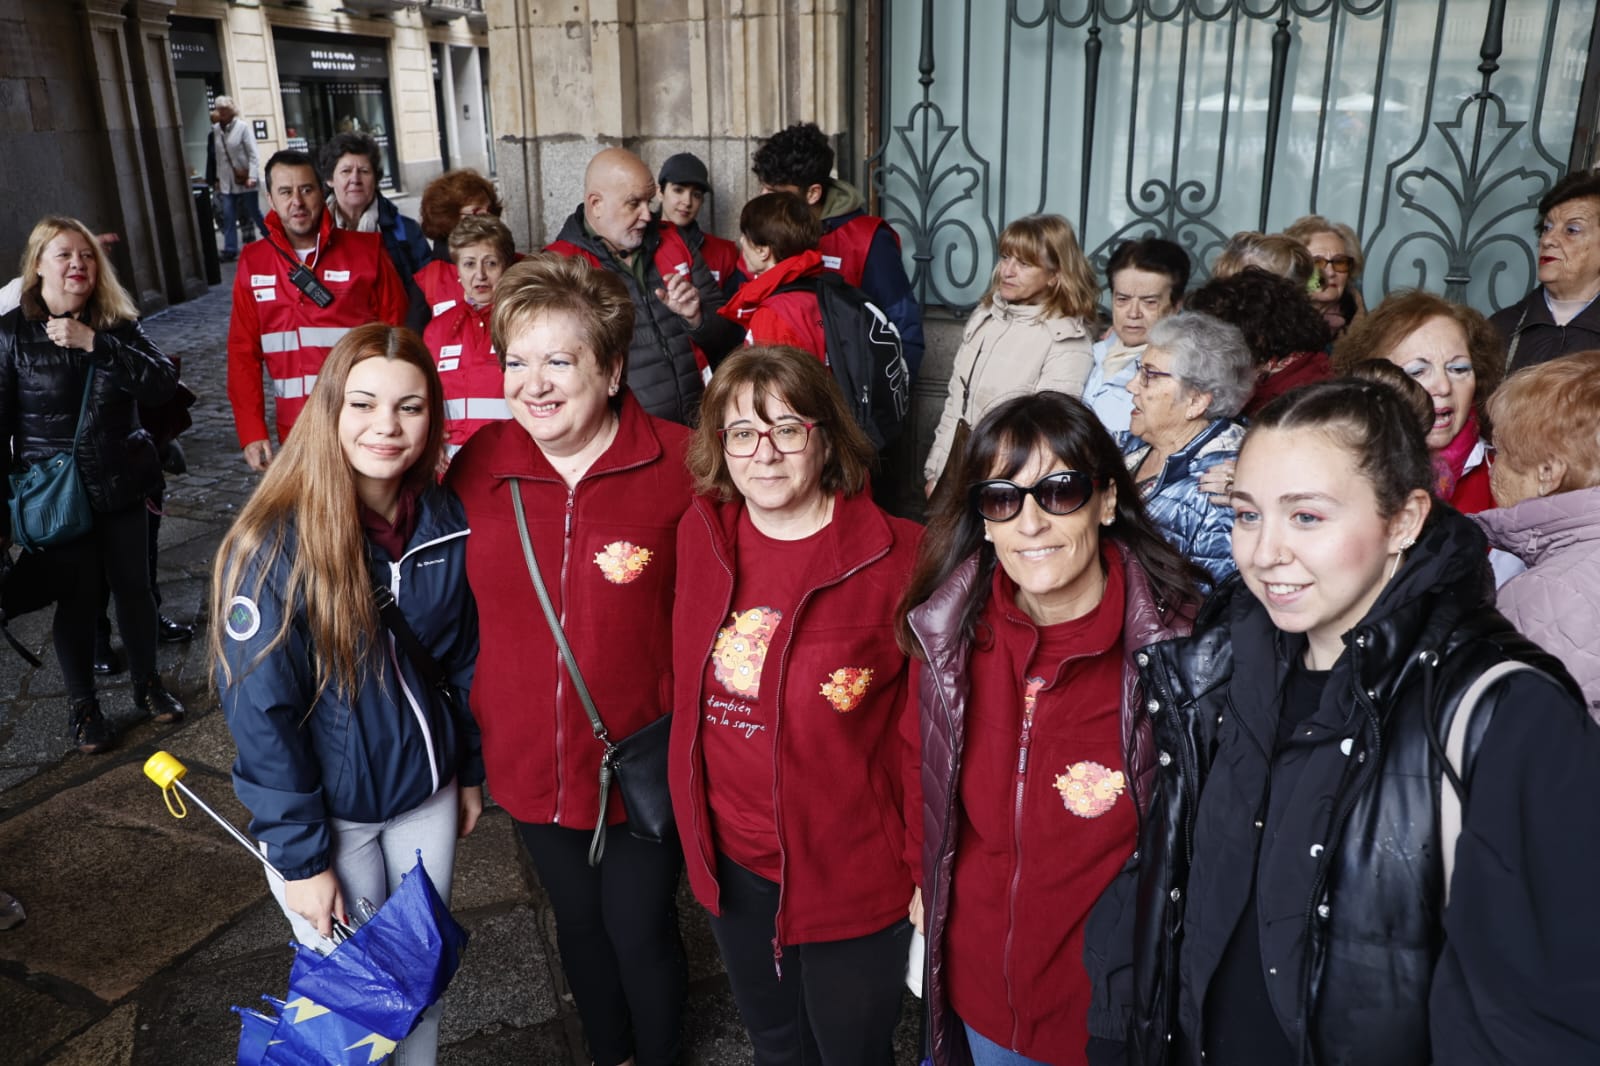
x: 166, y: 771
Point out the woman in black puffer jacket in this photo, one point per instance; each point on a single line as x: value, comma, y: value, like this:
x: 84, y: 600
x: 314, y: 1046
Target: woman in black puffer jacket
x: 75, y: 317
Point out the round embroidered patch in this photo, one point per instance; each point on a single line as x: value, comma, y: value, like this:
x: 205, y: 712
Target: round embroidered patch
x: 1089, y: 789
x: 622, y: 562
x: 846, y: 687
x: 244, y: 618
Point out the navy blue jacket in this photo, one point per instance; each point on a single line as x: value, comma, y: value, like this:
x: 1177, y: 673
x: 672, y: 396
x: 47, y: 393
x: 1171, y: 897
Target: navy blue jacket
x: 370, y: 755
x: 408, y: 251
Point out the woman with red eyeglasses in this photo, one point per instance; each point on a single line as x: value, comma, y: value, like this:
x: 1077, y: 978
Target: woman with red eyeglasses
x: 1033, y: 593
x: 793, y: 762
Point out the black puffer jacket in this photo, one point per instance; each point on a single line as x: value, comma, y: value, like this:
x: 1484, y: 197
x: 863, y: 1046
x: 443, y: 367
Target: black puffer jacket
x: 41, y: 388
x: 662, y: 370
x: 1337, y: 830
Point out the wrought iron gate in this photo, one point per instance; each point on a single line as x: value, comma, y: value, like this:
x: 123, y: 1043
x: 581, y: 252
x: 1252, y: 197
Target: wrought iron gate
x: 1431, y: 126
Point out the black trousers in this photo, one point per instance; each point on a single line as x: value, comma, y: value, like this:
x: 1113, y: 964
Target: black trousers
x: 118, y: 549
x: 838, y: 1002
x: 617, y: 928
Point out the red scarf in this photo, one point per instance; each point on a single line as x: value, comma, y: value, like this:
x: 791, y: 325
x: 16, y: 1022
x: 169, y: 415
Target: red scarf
x: 1450, y: 461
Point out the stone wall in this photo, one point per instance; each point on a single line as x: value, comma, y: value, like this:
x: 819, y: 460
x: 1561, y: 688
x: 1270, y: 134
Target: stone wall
x: 659, y: 77
x: 88, y: 112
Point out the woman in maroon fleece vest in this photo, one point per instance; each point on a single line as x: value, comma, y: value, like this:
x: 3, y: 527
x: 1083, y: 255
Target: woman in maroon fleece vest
x: 1036, y: 587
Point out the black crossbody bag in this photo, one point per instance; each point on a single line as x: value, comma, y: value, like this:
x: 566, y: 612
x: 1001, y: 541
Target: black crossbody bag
x: 637, y: 762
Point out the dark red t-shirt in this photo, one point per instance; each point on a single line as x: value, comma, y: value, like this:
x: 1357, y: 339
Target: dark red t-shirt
x: 741, y: 697
x: 1045, y: 820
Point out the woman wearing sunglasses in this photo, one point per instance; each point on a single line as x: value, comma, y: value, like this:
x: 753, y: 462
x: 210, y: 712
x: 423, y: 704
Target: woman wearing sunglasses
x: 1034, y: 591
x: 1303, y: 893
x: 1193, y: 378
x: 1336, y: 253
x: 794, y: 738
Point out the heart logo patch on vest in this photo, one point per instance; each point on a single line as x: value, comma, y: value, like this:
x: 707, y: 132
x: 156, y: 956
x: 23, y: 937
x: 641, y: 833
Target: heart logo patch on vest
x: 846, y: 687
x: 1089, y: 789
x: 622, y: 562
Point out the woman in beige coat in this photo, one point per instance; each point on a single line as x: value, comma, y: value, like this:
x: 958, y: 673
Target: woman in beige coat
x: 1030, y: 332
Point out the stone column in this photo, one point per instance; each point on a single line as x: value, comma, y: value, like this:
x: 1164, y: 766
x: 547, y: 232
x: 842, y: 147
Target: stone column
x: 161, y: 129
x: 123, y: 163
x: 659, y: 77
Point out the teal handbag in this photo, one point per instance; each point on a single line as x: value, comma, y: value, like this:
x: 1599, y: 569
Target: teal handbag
x: 49, y: 504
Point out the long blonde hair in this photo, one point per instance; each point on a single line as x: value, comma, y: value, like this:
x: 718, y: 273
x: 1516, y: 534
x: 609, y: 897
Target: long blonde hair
x: 109, y: 305
x: 1049, y: 242
x: 311, y: 486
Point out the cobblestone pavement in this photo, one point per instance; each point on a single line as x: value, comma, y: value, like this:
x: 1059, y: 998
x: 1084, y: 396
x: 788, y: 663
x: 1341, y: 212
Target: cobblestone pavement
x: 143, y: 930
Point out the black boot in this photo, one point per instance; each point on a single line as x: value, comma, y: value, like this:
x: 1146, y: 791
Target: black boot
x: 90, y: 731
x: 106, y: 660
x: 152, y: 698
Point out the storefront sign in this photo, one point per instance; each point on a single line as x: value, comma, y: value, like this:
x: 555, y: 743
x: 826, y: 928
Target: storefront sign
x: 193, y: 46
x: 331, y: 58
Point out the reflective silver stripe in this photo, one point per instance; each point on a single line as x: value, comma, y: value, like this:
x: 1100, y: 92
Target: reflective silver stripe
x: 477, y: 407
x: 281, y: 342
x: 293, y: 388
x: 321, y: 336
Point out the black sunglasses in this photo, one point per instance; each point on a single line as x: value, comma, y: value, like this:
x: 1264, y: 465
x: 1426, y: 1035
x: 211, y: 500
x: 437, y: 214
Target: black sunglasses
x: 1061, y: 493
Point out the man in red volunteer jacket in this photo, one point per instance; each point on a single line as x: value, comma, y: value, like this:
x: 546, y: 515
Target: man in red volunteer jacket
x: 861, y: 247
x: 284, y: 325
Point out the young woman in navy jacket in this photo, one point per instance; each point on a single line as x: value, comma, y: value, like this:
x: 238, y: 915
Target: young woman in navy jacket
x: 349, y: 762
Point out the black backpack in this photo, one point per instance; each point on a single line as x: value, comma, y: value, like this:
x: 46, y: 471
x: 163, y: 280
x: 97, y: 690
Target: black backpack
x: 863, y: 353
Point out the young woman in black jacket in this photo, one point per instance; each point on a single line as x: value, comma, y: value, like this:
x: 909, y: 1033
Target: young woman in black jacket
x: 76, y: 318
x: 1292, y: 900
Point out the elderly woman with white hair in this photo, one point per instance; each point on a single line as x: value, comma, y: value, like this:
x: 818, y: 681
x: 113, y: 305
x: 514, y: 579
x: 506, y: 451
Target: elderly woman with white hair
x: 1194, y: 377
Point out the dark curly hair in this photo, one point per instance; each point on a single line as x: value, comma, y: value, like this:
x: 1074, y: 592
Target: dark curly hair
x: 1273, y: 313
x: 800, y: 156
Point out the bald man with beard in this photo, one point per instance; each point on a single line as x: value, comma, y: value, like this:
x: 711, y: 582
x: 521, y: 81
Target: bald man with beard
x: 677, y: 334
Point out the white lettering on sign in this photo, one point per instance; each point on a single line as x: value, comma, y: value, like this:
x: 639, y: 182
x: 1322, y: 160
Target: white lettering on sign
x: 257, y: 280
x: 327, y: 59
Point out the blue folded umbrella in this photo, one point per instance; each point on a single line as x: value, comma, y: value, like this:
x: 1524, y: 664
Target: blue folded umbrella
x: 353, y: 1005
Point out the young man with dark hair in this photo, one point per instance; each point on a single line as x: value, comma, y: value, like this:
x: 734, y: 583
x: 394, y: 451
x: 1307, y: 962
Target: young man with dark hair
x: 861, y: 247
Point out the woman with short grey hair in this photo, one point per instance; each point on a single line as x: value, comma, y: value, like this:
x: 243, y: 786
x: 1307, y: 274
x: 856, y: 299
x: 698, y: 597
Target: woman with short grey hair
x: 1194, y: 377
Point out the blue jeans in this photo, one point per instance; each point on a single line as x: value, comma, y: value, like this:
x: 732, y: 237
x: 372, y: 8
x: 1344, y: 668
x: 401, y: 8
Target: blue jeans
x: 233, y: 203
x: 986, y: 1052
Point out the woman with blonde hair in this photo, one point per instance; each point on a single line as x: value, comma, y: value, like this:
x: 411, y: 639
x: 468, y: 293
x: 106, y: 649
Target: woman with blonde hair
x: 349, y: 760
x: 74, y: 366
x: 1030, y: 332
x: 1271, y: 252
x: 1336, y: 253
x: 1546, y: 481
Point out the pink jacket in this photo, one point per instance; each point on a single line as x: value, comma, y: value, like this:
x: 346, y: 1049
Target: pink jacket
x: 1556, y: 602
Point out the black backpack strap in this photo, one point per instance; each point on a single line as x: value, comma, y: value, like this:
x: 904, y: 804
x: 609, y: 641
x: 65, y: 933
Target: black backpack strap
x: 426, y: 664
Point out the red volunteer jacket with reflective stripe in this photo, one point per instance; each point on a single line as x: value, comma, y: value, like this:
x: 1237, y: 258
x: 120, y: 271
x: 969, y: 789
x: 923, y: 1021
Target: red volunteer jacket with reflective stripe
x: 440, y: 283
x: 276, y: 325
x: 792, y: 318
x: 722, y: 258
x: 469, y: 368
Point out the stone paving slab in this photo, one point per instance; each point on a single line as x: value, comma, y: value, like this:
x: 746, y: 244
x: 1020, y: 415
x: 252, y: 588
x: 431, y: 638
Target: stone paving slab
x: 116, y: 889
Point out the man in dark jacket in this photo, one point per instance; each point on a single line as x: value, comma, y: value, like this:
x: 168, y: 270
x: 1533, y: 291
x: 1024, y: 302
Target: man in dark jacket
x: 862, y: 247
x: 1561, y: 315
x: 677, y: 334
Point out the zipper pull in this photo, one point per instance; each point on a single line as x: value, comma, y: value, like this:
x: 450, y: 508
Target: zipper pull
x: 568, y: 533
x: 1030, y: 699
x: 777, y: 958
